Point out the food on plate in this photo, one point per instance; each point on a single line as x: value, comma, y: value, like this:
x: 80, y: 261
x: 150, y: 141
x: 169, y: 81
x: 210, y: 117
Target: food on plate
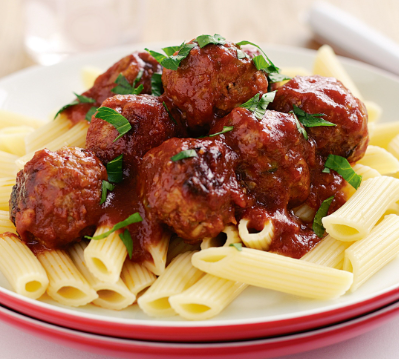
x: 204, y: 145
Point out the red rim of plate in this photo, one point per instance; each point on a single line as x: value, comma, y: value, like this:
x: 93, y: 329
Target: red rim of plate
x: 199, y: 331
x: 267, y: 348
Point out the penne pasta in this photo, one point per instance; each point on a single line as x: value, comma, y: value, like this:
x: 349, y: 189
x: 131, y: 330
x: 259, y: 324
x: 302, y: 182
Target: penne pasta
x: 158, y: 252
x: 8, y: 118
x: 273, y: 271
x: 367, y: 256
x: 329, y: 252
x: 105, y: 257
x: 66, y: 284
x: 305, y: 212
x: 178, y: 276
x: 89, y: 75
x: 366, y: 173
x: 230, y: 236
x: 383, y: 134
x: 5, y: 224
x: 260, y: 240
x: 114, y: 296
x: 8, y: 168
x: 178, y: 246
x: 21, y: 268
x: 6, y: 185
x: 374, y: 197
x: 136, y: 277
x: 380, y: 159
x: 374, y: 111
x: 12, y: 139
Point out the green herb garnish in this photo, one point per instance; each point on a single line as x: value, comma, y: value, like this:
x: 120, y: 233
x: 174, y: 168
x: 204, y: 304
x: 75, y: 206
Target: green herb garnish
x: 326, y: 170
x: 258, y: 104
x: 241, y: 54
x: 169, y: 113
x: 204, y: 40
x: 184, y: 154
x: 114, y: 169
x: 225, y: 129
x: 266, y: 65
x: 80, y: 99
x: 90, y: 113
x: 311, y: 120
x: 170, y: 50
x: 134, y: 218
x: 115, y: 119
x: 106, y: 186
x: 127, y: 241
x: 172, y: 62
x: 277, y: 77
x: 125, y: 88
x: 237, y: 246
x: 156, y: 84
x: 301, y: 130
x: 318, y: 227
x: 343, y: 167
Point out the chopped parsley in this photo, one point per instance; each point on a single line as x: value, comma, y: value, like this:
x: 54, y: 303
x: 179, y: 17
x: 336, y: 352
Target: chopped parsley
x: 125, y: 88
x: 169, y: 113
x: 115, y: 119
x: 184, y: 154
x: 80, y: 99
x: 204, y: 40
x: 114, y: 169
x: 343, y: 167
x: 318, y: 227
x: 90, y: 113
x: 156, y: 84
x: 311, y: 120
x: 106, y: 186
x: 225, y: 129
x: 170, y: 61
x: 241, y: 54
x: 258, y: 104
x: 127, y: 241
x: 237, y: 246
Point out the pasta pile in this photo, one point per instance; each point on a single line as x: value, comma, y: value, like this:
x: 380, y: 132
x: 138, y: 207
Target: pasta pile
x: 198, y: 281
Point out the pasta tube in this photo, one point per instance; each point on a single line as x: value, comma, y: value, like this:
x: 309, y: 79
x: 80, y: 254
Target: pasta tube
x: 67, y: 285
x: 6, y: 185
x: 136, y: 277
x: 178, y: 276
x: 8, y: 168
x: 8, y: 118
x: 231, y: 234
x: 367, y: 256
x: 178, y: 246
x: 114, y: 296
x: 366, y: 173
x: 12, y: 139
x: 380, y: 159
x: 356, y: 218
x: 105, y: 257
x: 158, y: 253
x: 5, y: 224
x: 21, y: 268
x: 260, y: 240
x: 384, y: 133
x: 273, y: 271
x: 89, y: 75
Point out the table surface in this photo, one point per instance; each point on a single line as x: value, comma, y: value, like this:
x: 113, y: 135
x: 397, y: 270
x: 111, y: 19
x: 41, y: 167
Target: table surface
x: 262, y: 21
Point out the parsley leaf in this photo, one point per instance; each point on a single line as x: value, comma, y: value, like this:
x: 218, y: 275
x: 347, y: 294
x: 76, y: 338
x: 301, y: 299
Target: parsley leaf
x: 241, y: 54
x: 106, y: 186
x: 343, y: 167
x: 204, y: 40
x: 134, y: 218
x: 258, y: 104
x: 225, y: 129
x: 237, y: 246
x: 309, y: 120
x: 318, y: 227
x: 277, y: 77
x: 169, y: 113
x: 115, y: 119
x: 156, y: 84
x: 326, y: 170
x: 124, y: 88
x: 184, y: 154
x: 266, y: 65
x: 90, y: 113
x: 172, y: 62
x: 127, y: 241
x: 114, y: 169
x: 301, y: 130
x: 170, y: 50
x: 80, y: 99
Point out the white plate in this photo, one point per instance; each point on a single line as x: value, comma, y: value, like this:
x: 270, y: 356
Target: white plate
x: 40, y: 91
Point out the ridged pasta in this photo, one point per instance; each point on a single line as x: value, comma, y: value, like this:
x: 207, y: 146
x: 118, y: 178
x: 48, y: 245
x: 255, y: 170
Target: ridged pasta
x: 273, y: 271
x: 383, y: 133
x: 178, y: 276
x: 12, y: 139
x: 178, y: 246
x: 260, y: 240
x: 21, y: 268
x: 105, y: 257
x: 366, y: 173
x: 305, y: 213
x: 8, y: 118
x: 75, y: 137
x: 158, y: 252
x: 6, y: 185
x: 114, y: 296
x: 66, y: 284
x: 5, y: 224
x: 329, y: 252
x: 231, y: 236
x: 367, y: 256
x: 380, y: 159
x: 136, y: 277
x: 89, y: 75
x: 8, y: 168
x: 206, y: 298
x: 355, y: 219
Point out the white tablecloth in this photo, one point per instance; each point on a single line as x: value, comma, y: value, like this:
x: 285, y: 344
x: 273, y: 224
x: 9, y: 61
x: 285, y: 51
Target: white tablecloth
x: 381, y: 343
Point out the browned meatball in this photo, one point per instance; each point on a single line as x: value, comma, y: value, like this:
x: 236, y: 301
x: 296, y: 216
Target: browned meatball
x: 273, y: 155
x: 317, y: 94
x: 56, y: 199
x: 151, y: 125
x: 129, y: 67
x: 194, y: 196
x: 210, y: 82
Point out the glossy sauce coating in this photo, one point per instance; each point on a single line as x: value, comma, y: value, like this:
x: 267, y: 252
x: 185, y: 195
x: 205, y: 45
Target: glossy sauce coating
x: 129, y: 67
x: 210, y: 82
x: 327, y: 95
x: 56, y: 200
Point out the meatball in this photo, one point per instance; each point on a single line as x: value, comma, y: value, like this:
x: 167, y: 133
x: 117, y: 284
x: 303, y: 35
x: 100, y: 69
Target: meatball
x: 194, y: 196
x: 316, y: 94
x: 56, y: 199
x: 129, y: 67
x: 273, y: 155
x: 210, y: 82
x: 151, y: 125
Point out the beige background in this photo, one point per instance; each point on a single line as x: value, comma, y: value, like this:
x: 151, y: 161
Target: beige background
x: 272, y: 21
